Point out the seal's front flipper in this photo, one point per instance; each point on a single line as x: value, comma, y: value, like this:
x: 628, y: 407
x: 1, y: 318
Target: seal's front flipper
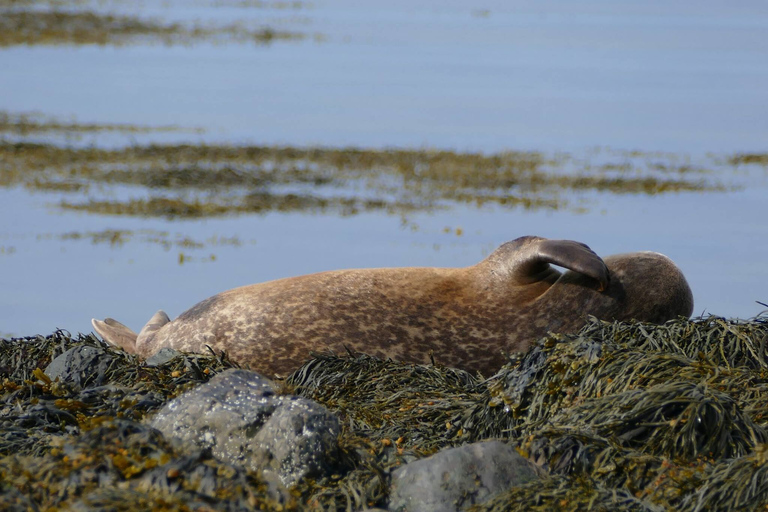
x: 158, y: 320
x: 574, y: 256
x: 116, y: 334
x: 529, y: 257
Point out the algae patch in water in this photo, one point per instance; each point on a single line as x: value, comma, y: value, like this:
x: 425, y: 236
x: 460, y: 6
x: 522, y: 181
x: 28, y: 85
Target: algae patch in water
x: 34, y: 123
x: 197, y: 181
x: 749, y: 158
x: 82, y: 27
x: 118, y: 237
x: 194, y: 181
x: 185, y: 247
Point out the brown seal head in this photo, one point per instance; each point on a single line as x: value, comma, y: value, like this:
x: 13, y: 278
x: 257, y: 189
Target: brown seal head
x: 462, y: 317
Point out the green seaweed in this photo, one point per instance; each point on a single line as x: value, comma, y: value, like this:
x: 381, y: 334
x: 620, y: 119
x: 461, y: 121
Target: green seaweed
x: 35, y: 123
x: 749, y: 159
x: 188, y: 181
x: 64, y: 27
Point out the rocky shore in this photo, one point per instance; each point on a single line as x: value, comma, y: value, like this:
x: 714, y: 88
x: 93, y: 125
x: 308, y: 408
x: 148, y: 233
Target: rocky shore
x: 621, y: 416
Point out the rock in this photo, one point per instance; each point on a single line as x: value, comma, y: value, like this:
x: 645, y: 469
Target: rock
x: 457, y: 478
x: 161, y: 357
x: 83, y: 366
x: 238, y: 416
x: 142, y: 467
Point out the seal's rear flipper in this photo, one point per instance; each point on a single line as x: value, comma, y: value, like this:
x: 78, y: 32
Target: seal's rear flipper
x: 116, y: 334
x: 158, y: 320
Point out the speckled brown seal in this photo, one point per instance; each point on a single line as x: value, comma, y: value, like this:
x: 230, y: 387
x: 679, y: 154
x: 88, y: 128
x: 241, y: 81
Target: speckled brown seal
x: 462, y: 317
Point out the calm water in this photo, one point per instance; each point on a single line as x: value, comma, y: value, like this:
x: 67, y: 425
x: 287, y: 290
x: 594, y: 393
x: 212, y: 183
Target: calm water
x: 689, y: 78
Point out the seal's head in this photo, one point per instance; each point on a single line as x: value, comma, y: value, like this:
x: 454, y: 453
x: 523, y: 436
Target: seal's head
x: 644, y: 286
x: 648, y: 286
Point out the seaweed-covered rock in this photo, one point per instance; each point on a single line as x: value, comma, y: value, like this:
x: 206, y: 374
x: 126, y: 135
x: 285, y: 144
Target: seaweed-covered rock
x: 563, y: 494
x: 612, y: 358
x: 627, y: 416
x: 729, y: 343
x: 13, y: 500
x: 390, y: 400
x: 675, y: 419
x: 456, y: 478
x: 82, y: 366
x: 125, y: 465
x: 238, y: 416
x: 732, y: 484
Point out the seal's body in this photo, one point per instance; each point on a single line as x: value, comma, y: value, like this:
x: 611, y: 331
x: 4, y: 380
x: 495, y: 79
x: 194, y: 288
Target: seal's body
x: 461, y: 317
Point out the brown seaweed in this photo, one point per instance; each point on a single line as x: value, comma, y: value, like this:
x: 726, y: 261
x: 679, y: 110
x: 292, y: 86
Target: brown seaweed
x: 622, y: 415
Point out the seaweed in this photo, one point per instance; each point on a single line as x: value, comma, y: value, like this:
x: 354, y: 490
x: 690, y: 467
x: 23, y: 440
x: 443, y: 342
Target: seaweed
x: 621, y: 415
x: 371, y: 395
x: 566, y: 494
x: 749, y: 158
x: 131, y: 391
x: 188, y: 181
x: 733, y: 484
x: 83, y: 27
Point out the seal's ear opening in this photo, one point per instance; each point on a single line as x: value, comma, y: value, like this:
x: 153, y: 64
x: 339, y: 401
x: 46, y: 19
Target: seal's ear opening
x: 654, y: 288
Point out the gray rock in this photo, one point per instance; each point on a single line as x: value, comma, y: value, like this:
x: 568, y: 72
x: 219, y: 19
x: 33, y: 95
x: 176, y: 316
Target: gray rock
x: 82, y: 366
x: 457, y: 478
x: 238, y: 416
x: 161, y: 357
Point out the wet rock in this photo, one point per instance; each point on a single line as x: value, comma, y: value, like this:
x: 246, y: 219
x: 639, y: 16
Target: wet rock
x: 457, y: 478
x: 161, y: 357
x: 125, y: 465
x: 82, y: 366
x: 238, y: 416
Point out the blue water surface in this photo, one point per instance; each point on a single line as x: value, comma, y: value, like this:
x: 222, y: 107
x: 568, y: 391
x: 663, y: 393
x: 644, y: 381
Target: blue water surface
x: 689, y: 78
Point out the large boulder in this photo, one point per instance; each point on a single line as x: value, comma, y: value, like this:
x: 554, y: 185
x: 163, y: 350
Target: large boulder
x: 81, y: 366
x: 241, y: 419
x: 457, y: 478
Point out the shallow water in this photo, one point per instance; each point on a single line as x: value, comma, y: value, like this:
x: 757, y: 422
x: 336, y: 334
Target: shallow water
x: 689, y: 79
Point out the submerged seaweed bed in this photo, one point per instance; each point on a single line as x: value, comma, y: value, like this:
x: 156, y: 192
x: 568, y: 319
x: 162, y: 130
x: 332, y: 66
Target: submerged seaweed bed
x: 183, y: 181
x: 625, y: 416
x: 84, y: 22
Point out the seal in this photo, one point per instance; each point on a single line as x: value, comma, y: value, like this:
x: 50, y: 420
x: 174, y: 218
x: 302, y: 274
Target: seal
x: 468, y: 318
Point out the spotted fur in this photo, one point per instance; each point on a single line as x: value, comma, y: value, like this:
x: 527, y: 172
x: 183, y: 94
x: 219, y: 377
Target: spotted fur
x: 461, y: 317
